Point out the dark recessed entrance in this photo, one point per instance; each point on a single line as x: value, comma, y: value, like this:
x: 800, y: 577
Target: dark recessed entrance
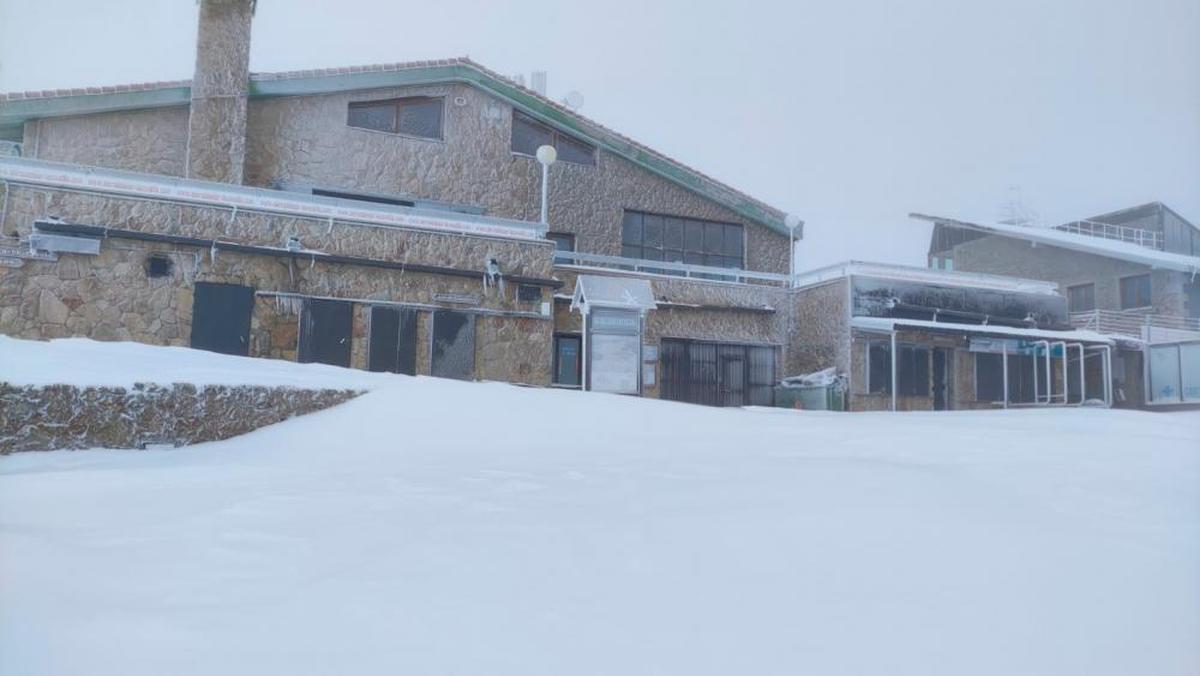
x: 393, y: 345
x: 453, y: 350
x: 325, y: 332
x: 717, y: 374
x: 221, y: 318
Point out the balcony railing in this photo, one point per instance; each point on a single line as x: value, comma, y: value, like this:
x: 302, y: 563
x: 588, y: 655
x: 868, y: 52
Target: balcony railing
x: 687, y: 271
x: 1152, y: 328
x: 1139, y: 236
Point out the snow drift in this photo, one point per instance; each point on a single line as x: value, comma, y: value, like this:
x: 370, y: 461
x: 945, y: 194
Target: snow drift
x: 438, y: 527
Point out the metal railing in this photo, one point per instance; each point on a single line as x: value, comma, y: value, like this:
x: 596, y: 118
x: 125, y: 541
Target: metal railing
x: 1122, y: 233
x: 684, y: 270
x: 1148, y: 327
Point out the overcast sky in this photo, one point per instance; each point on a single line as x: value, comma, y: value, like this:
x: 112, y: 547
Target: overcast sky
x: 851, y: 114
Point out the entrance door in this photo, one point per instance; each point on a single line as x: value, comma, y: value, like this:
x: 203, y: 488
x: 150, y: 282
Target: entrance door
x: 733, y: 375
x: 325, y: 332
x: 221, y: 318
x: 453, y: 353
x: 941, y: 379
x: 393, y: 344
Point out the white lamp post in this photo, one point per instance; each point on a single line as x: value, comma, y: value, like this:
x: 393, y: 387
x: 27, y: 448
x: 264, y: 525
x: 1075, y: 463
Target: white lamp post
x: 546, y: 155
x: 792, y: 221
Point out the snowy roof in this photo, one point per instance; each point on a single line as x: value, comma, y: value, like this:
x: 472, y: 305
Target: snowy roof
x: 911, y: 273
x: 890, y: 323
x: 1098, y: 246
x: 612, y: 292
x: 16, y: 108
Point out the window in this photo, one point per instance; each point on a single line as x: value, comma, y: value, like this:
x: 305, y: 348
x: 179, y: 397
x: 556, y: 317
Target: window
x: 912, y: 369
x: 1135, y: 292
x: 158, y: 265
x: 563, y: 241
x: 654, y: 237
x: 529, y: 293
x: 528, y: 134
x: 989, y: 377
x: 567, y: 353
x: 1081, y: 298
x: 414, y: 116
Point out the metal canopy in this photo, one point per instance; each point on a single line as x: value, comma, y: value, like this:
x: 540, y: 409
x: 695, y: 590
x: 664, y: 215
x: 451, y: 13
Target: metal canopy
x: 592, y: 291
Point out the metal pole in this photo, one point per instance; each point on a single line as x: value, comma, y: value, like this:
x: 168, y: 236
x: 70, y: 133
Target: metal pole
x: 1108, y: 376
x: 893, y: 370
x: 1004, y: 368
x: 545, y: 192
x: 791, y: 258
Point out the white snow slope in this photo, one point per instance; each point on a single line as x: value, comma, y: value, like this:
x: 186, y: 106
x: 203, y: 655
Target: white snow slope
x: 437, y: 527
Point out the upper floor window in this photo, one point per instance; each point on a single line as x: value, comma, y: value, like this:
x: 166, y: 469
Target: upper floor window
x: 654, y: 237
x: 528, y: 135
x: 1135, y: 292
x: 1081, y: 298
x: 414, y: 116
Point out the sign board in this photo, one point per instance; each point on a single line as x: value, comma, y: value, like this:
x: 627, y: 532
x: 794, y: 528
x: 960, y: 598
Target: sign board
x: 995, y: 345
x: 648, y: 373
x: 19, y: 252
x: 649, y: 353
x: 6, y: 262
x: 459, y: 298
x: 614, y: 346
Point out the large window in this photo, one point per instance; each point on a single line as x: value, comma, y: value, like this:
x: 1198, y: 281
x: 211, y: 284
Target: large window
x: 414, y: 116
x: 912, y: 369
x: 568, y: 355
x: 989, y: 377
x: 1135, y: 292
x: 1081, y: 298
x: 654, y: 237
x: 528, y: 134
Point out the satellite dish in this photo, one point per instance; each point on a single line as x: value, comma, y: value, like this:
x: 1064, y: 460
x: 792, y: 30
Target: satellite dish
x: 573, y: 100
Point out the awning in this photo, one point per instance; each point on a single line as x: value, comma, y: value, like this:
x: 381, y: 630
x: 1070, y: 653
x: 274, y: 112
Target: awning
x: 891, y: 324
x: 612, y: 292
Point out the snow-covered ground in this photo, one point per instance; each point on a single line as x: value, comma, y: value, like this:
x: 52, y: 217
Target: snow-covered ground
x: 438, y: 527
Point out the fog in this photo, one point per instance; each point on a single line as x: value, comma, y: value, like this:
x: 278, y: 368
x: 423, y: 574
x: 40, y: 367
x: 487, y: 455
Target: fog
x: 850, y: 114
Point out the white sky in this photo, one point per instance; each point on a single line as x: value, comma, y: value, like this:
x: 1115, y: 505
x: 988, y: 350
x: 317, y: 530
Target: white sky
x: 850, y: 114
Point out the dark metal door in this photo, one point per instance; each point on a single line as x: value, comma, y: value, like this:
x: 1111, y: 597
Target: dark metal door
x: 393, y: 343
x: 221, y: 317
x: 325, y: 327
x: 717, y: 374
x: 941, y: 382
x: 453, y: 351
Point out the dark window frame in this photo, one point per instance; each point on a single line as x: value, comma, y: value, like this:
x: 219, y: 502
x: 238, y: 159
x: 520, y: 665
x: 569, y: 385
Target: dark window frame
x: 680, y: 239
x: 992, y: 362
x: 578, y: 367
x: 1091, y: 289
x: 1136, y: 304
x: 397, y: 105
x: 909, y: 357
x: 556, y: 137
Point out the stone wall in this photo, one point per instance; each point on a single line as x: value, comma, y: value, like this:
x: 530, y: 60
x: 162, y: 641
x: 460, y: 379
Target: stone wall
x: 59, y: 417
x: 1019, y: 258
x: 300, y: 142
x: 110, y: 296
x: 820, y: 329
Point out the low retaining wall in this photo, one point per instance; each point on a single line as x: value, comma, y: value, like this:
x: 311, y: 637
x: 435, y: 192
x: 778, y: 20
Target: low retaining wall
x: 58, y: 417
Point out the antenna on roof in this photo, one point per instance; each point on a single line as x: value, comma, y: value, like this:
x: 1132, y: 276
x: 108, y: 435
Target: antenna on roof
x: 1016, y: 212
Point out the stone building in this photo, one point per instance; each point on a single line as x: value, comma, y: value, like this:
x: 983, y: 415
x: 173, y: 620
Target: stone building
x: 915, y: 339
x: 1130, y: 274
x: 384, y: 217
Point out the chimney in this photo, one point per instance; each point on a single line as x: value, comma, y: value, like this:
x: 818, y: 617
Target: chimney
x: 216, y: 144
x: 537, y: 81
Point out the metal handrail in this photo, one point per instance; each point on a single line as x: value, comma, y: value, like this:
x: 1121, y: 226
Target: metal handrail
x: 1149, y: 239
x: 685, y: 270
x: 1131, y: 323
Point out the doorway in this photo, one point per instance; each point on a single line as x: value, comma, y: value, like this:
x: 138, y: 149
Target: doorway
x: 325, y: 332
x: 941, y: 378
x: 221, y: 318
